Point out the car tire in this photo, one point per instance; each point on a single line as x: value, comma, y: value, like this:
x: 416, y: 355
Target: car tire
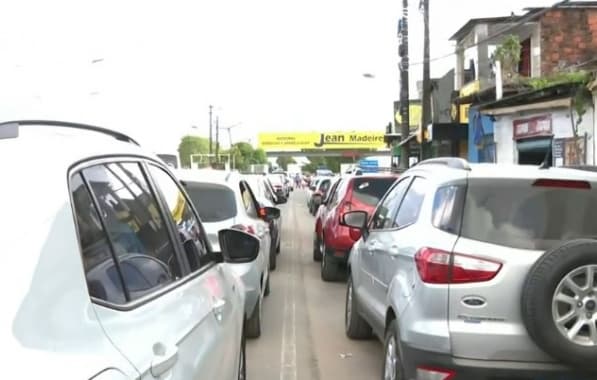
x: 242, y: 360
x: 552, y: 292
x: 355, y: 326
x: 267, y: 288
x: 392, y: 365
x: 329, y: 268
x: 317, y: 254
x: 272, y: 261
x: 253, y: 324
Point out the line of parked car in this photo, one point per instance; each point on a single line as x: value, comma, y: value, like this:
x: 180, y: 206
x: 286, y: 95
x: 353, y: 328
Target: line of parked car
x: 467, y: 271
x: 123, y: 269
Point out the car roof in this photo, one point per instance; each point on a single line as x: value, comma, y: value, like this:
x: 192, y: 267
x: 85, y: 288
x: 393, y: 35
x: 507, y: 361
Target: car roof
x: 442, y: 173
x: 213, y: 176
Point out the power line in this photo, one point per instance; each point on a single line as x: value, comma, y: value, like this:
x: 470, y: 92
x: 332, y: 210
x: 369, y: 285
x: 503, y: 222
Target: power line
x: 525, y: 19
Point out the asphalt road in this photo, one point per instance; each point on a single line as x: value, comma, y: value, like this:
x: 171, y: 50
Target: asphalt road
x: 303, y: 333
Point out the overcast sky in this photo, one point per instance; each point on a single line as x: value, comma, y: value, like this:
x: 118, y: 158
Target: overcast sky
x: 272, y: 65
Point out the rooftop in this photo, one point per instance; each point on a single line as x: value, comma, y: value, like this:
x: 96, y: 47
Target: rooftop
x: 466, y: 28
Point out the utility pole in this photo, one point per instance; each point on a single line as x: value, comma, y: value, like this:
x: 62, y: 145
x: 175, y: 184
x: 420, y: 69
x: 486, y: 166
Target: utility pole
x: 426, y: 111
x: 217, y: 139
x: 404, y: 82
x: 210, y: 128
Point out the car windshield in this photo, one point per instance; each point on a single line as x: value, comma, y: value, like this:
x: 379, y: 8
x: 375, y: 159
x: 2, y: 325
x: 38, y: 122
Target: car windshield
x: 370, y: 190
x: 214, y: 203
x: 517, y: 214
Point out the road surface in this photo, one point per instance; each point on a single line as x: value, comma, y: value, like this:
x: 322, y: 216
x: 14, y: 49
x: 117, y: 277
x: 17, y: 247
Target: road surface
x: 303, y: 333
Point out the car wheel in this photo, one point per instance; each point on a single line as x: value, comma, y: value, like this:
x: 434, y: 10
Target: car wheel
x: 272, y: 261
x: 317, y: 243
x: 559, y: 303
x: 253, y: 324
x: 329, y: 268
x: 267, y: 289
x: 242, y: 360
x: 392, y: 367
x: 356, y: 327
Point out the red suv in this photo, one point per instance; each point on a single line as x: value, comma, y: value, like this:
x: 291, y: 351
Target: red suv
x: 333, y: 242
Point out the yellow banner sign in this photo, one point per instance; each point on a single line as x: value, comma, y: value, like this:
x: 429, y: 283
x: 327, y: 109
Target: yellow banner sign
x: 328, y: 140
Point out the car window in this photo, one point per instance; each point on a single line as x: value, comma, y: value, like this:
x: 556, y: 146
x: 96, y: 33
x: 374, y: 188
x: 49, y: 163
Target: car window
x: 248, y: 200
x: 517, y: 214
x: 188, y: 226
x: 343, y: 188
x: 410, y: 207
x: 370, y: 190
x: 447, y: 208
x: 95, y: 249
x: 333, y: 194
x: 324, y: 186
x: 384, y: 215
x: 146, y: 259
x: 213, y: 202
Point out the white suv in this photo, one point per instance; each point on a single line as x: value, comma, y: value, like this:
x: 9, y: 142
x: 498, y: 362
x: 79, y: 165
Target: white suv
x: 225, y: 200
x: 480, y: 272
x: 110, y: 274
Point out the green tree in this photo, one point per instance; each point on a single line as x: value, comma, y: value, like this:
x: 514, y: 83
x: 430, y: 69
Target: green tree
x: 259, y: 156
x: 245, y: 155
x: 283, y: 162
x: 508, y: 53
x: 191, y: 145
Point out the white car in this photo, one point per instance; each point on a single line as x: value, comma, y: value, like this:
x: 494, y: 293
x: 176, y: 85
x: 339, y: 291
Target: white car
x: 225, y: 200
x: 110, y: 275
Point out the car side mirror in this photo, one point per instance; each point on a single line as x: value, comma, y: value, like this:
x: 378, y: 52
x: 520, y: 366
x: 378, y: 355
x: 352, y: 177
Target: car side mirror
x: 281, y: 200
x: 237, y: 246
x: 269, y: 213
x: 355, y: 219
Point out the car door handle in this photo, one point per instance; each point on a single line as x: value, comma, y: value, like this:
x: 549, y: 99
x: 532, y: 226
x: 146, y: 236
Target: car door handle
x: 218, y: 309
x: 394, y: 250
x: 164, y: 358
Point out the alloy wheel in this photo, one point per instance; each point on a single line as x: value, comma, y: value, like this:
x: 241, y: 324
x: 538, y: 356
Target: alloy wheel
x: 574, y: 306
x: 348, y: 308
x: 391, y: 360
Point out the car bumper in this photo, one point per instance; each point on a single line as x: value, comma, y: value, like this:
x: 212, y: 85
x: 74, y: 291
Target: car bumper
x: 339, y: 257
x: 469, y: 369
x: 251, y: 279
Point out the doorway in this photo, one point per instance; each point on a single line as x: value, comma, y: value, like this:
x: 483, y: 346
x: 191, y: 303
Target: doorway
x: 534, y: 152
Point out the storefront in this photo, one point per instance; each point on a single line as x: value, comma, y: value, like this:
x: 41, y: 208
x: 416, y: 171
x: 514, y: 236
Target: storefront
x: 541, y: 126
x: 533, y: 139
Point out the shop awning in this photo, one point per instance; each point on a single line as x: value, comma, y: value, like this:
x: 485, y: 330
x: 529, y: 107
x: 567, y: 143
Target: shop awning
x: 550, y: 104
x: 406, y: 140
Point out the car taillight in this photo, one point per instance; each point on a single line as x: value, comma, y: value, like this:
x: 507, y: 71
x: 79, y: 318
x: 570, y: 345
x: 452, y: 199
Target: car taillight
x: 566, y: 184
x: 434, y: 267
x: 245, y: 228
x: 430, y: 373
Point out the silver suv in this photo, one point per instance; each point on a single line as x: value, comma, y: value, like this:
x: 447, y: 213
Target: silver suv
x: 479, y: 271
